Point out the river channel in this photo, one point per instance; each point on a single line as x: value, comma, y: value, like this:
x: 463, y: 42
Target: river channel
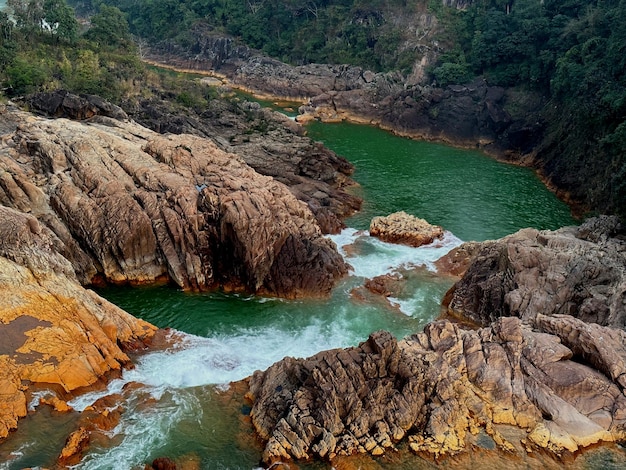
x: 183, y: 408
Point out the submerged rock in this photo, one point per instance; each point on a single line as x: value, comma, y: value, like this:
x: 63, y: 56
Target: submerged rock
x: 127, y: 205
x: 406, y: 229
x: 445, y: 389
x: 580, y: 271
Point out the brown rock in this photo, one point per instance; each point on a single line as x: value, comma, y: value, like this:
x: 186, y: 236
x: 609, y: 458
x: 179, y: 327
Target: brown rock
x: 162, y: 463
x: 54, y: 331
x: 442, y: 388
x: 127, y: 205
x: 406, y: 229
x: 579, y: 271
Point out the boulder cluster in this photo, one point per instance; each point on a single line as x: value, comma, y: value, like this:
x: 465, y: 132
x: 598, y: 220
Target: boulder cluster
x: 545, y: 370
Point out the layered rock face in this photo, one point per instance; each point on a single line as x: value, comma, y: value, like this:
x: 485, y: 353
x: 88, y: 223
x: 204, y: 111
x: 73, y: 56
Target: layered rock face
x: 580, y: 271
x: 128, y: 205
x: 272, y: 144
x: 557, y: 387
x: 268, y: 141
x: 54, y: 332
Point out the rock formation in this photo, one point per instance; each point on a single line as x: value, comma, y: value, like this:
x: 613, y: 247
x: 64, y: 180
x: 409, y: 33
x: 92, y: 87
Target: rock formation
x: 405, y: 229
x: 558, y: 386
x: 268, y: 141
x: 580, y: 271
x: 469, y: 115
x: 128, y: 205
x: 54, y: 333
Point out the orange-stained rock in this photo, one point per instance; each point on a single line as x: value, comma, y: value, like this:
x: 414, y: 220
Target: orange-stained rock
x: 56, y: 403
x: 74, y: 446
x: 405, y: 229
x: 53, y: 329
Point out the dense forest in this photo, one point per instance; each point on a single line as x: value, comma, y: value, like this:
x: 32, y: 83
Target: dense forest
x: 572, y: 52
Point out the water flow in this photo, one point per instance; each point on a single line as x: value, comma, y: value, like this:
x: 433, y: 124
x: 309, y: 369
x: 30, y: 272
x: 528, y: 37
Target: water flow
x: 183, y: 383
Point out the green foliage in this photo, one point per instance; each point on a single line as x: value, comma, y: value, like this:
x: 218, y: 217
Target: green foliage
x: 23, y: 76
x: 110, y: 28
x: 59, y: 17
x: 449, y: 73
x: 335, y: 31
x: 35, y: 57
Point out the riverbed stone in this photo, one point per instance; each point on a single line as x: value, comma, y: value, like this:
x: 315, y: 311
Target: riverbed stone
x: 406, y: 229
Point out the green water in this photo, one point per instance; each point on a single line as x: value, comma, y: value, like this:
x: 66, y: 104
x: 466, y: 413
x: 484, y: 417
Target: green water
x: 466, y: 192
x: 231, y: 336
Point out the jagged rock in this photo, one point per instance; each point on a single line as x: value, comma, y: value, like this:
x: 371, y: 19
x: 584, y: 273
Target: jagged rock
x: 406, y: 229
x: 443, y: 388
x: 128, y: 205
x: 74, y: 447
x: 580, y: 271
x: 457, y: 260
x: 269, y: 142
x: 54, y: 332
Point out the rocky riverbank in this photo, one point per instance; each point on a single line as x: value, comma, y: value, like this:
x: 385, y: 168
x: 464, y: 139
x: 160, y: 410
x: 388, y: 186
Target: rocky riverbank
x: 531, y: 380
x: 473, y: 116
x: 100, y: 198
x: 510, y: 124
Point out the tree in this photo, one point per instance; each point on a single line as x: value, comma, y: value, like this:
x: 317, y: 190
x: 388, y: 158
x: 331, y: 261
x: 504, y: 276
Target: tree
x: 109, y: 27
x: 61, y: 19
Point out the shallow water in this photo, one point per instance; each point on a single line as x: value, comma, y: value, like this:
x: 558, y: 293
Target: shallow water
x: 183, y: 410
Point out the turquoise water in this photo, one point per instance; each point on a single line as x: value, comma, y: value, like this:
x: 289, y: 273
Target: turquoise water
x: 466, y: 192
x: 183, y: 408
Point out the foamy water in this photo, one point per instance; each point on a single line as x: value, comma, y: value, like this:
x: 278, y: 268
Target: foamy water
x: 172, y: 377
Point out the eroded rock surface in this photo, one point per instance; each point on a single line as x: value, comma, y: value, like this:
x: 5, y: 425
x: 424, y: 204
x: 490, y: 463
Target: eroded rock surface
x: 128, y: 205
x: 560, y: 384
x: 580, y: 271
x: 54, y: 332
x: 405, y: 229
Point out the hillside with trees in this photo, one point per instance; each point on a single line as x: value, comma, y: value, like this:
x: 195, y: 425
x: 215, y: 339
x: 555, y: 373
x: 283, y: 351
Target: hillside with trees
x: 569, y: 53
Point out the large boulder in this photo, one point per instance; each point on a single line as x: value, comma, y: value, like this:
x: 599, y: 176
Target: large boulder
x: 579, y: 271
x: 127, y: 205
x: 54, y: 332
x: 557, y: 387
x: 405, y: 229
